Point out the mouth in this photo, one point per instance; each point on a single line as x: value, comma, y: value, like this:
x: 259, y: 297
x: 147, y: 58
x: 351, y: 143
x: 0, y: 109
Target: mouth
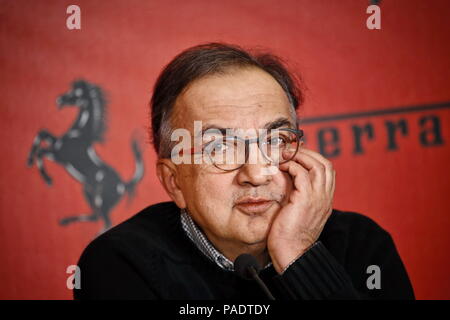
x: 253, y: 206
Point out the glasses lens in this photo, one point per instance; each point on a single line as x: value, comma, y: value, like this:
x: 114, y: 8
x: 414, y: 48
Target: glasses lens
x: 227, y: 153
x: 276, y: 142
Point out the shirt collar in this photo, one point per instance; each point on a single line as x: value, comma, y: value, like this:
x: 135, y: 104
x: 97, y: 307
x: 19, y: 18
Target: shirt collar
x: 203, y: 244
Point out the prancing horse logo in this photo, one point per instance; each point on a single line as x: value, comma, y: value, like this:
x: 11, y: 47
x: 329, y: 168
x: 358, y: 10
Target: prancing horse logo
x: 102, y: 185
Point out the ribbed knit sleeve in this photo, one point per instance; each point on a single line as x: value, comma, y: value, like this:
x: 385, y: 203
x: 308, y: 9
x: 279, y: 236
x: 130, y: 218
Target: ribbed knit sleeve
x: 315, y: 275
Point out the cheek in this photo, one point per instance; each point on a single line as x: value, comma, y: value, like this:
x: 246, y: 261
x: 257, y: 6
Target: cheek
x: 212, y: 191
x: 285, y: 184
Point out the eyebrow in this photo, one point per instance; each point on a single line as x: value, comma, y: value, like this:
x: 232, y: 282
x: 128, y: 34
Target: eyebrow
x: 277, y: 123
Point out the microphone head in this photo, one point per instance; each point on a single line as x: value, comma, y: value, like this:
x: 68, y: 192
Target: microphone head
x: 243, y: 263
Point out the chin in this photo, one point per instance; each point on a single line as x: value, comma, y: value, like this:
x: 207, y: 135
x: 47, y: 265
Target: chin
x: 255, y: 229
x: 254, y: 237
x: 261, y: 242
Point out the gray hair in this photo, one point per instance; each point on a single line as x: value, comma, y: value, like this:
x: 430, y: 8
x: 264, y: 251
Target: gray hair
x: 200, y: 61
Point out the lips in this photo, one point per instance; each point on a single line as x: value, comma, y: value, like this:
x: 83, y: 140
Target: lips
x: 252, y: 206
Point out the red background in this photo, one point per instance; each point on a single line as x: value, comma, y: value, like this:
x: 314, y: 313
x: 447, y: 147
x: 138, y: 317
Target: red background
x: 123, y: 45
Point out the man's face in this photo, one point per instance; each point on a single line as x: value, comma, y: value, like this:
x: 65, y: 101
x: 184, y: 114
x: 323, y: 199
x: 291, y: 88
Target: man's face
x: 241, y: 99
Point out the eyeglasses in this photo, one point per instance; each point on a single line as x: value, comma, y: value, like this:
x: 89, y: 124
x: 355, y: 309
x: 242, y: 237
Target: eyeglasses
x: 231, y: 152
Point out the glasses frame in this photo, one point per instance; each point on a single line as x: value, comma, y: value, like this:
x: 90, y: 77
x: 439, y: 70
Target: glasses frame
x: 297, y: 132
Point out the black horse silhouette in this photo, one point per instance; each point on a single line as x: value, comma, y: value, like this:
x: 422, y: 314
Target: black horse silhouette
x: 102, y: 185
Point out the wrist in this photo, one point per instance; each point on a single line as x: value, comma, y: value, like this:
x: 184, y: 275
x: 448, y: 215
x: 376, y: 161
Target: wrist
x: 285, y: 258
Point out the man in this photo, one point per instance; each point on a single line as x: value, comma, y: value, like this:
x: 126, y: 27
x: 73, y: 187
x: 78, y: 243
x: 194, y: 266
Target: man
x: 269, y: 197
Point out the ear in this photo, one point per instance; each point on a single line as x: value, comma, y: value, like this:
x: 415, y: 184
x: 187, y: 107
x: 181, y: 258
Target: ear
x: 167, y: 173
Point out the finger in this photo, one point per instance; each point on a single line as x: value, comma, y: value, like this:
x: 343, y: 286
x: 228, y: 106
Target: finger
x: 314, y: 154
x: 316, y: 169
x: 333, y: 186
x: 300, y: 175
x: 327, y: 163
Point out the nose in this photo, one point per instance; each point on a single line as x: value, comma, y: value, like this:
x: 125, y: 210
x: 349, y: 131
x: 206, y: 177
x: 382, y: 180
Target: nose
x: 254, y: 172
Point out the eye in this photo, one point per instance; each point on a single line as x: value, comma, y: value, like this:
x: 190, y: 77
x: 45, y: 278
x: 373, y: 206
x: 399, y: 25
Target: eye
x: 276, y: 141
x: 217, y: 147
x: 220, y: 146
x: 78, y: 92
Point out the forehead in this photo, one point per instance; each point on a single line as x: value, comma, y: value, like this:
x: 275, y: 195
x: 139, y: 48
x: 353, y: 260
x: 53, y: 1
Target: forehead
x: 241, y: 98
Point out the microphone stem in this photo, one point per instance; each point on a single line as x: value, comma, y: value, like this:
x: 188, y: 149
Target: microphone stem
x: 261, y: 283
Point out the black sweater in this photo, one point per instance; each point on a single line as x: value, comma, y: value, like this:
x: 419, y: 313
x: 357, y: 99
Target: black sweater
x: 149, y: 256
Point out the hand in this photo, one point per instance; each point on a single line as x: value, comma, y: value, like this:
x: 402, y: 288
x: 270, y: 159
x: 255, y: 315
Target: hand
x: 300, y: 222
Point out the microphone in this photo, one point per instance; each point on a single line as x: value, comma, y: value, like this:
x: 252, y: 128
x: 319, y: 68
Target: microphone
x: 247, y: 267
